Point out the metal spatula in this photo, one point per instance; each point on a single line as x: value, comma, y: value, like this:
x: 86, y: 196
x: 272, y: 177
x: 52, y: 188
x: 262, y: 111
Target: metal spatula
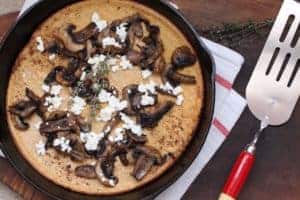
x: 274, y: 87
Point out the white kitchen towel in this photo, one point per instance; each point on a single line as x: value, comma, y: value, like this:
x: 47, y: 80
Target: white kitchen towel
x: 229, y: 106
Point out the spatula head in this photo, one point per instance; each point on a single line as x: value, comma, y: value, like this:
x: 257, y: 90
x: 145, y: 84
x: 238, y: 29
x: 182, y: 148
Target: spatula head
x: 274, y: 87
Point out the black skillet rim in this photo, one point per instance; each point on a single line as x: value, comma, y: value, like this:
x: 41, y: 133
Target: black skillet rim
x: 17, y: 38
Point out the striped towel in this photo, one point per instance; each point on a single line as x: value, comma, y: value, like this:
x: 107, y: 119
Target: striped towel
x: 228, y: 108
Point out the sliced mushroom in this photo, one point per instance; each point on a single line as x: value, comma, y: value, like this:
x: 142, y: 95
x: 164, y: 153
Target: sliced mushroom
x: 32, y: 96
x: 134, y: 57
x: 86, y: 171
x: 83, y: 35
x: 19, y: 123
x: 55, y: 115
x: 64, y: 78
x: 23, y: 108
x: 150, y: 120
x: 84, y: 125
x: 90, y: 49
x: 51, y: 77
x: 182, y: 57
x: 64, y: 124
x: 142, y: 167
x: 159, y: 64
x: 63, y: 34
x: 135, y: 138
x: 150, y: 152
x: 174, y: 78
x: 104, y: 170
x: 57, y: 47
x: 128, y: 93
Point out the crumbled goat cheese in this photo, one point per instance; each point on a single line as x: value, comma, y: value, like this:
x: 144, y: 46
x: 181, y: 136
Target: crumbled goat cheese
x: 112, y: 61
x: 149, y: 87
x: 91, y: 140
x: 96, y: 62
x: 125, y: 63
x: 106, y: 114
x: 129, y: 124
x: 101, y: 24
x: 117, y: 136
x: 62, y: 143
x: 55, y: 90
x: 170, y: 89
x: 53, y: 102
x: 177, y: 91
x: 40, y: 44
x: 78, y: 105
x: 111, y: 182
x: 115, y: 68
x: 40, y: 148
x: 83, y: 76
x: 114, y: 105
x: 104, y: 96
x: 146, y: 73
x: 110, y: 41
x: 122, y: 32
x: 96, y: 59
x: 52, y: 56
x: 179, y: 100
x: 147, y: 100
x: 46, y: 88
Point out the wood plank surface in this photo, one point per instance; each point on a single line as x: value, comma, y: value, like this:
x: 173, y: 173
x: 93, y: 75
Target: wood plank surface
x: 276, y: 174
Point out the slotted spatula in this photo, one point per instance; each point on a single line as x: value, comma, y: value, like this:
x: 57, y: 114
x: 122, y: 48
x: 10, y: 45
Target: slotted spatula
x: 273, y: 89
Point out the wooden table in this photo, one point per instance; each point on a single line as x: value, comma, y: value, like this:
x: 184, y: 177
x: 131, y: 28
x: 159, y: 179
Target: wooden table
x: 276, y: 174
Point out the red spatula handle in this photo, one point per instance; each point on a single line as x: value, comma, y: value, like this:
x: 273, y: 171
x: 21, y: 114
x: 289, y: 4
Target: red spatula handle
x: 238, y: 176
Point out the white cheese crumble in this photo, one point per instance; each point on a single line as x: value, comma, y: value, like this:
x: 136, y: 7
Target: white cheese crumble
x: 121, y: 32
x: 177, y: 91
x: 147, y: 100
x: 96, y: 61
x: 149, y: 87
x: 110, y: 41
x: 105, y: 114
x: 179, y: 100
x: 129, y: 124
x: 46, y: 88
x: 104, y: 96
x: 125, y: 63
x: 146, y: 73
x: 83, y: 76
x: 53, y: 102
x: 114, y: 105
x: 115, y: 68
x: 78, y: 105
x: 40, y: 44
x: 55, y: 90
x: 40, y: 148
x: 62, y: 143
x: 52, y: 56
x: 91, y: 140
x: 101, y: 24
x: 117, y: 136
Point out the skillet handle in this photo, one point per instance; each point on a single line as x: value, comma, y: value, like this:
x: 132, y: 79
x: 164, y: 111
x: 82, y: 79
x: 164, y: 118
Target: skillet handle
x: 238, y: 176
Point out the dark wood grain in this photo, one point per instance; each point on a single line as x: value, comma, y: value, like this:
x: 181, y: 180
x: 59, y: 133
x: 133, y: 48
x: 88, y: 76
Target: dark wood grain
x: 276, y: 174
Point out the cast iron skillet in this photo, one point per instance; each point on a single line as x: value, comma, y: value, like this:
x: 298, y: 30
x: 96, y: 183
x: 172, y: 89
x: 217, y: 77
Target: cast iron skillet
x: 17, y: 38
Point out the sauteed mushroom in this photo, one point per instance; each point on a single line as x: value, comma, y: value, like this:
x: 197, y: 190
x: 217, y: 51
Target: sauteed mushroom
x: 150, y: 120
x: 19, y: 123
x: 134, y: 57
x: 57, y: 47
x: 63, y: 124
x: 104, y: 171
x: 142, y: 167
x: 63, y: 34
x: 183, y: 57
x: 86, y: 171
x: 135, y: 138
x: 173, y: 77
x: 128, y: 93
x: 83, y: 35
x: 23, y: 108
